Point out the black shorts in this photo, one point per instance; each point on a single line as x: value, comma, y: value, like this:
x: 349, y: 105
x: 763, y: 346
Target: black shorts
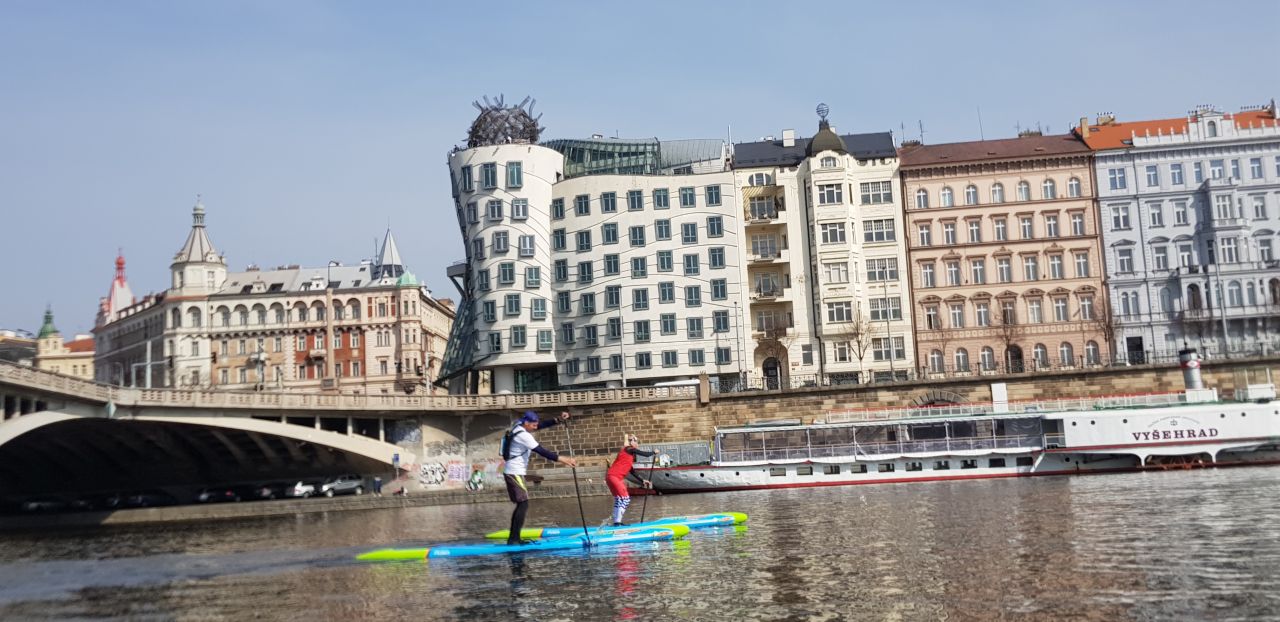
x: 516, y: 489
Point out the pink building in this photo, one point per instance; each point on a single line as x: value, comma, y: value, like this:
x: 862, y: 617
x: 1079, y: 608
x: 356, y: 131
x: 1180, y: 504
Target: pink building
x: 1003, y: 247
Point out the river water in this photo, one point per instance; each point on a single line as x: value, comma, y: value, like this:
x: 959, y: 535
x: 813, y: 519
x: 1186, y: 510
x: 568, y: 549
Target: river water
x: 1147, y: 546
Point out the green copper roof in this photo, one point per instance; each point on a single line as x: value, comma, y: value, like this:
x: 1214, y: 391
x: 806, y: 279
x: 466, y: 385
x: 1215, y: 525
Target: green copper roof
x: 48, y: 328
x: 407, y: 280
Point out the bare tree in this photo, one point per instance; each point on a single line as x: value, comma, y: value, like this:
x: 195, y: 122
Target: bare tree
x: 1108, y: 324
x: 1007, y: 331
x: 860, y: 338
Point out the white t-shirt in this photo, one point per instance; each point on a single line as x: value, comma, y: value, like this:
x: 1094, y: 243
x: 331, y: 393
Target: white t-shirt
x: 521, y: 449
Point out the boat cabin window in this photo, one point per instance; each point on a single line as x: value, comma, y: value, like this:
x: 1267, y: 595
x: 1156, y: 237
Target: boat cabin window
x: 858, y: 468
x: 830, y: 469
x: 942, y: 465
x: 915, y: 466
x: 995, y: 462
x: 968, y: 464
x: 804, y: 470
x: 1025, y: 461
x: 885, y: 467
x: 777, y: 471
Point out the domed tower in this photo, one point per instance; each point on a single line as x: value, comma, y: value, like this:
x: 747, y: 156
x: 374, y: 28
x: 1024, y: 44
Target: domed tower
x: 197, y: 267
x: 502, y: 188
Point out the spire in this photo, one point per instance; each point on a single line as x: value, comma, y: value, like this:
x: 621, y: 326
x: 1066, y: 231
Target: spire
x: 389, y: 263
x: 119, y: 297
x: 48, y: 329
x: 198, y: 248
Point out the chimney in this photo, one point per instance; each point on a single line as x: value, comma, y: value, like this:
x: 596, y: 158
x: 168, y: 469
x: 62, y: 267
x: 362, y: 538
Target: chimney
x: 788, y: 138
x: 1084, y: 127
x: 1106, y: 118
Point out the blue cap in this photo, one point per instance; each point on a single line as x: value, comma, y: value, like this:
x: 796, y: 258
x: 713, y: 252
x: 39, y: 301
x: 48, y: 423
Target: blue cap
x: 529, y: 417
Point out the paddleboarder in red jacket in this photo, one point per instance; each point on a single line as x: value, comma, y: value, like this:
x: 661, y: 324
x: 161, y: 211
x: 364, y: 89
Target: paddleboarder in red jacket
x: 616, y: 476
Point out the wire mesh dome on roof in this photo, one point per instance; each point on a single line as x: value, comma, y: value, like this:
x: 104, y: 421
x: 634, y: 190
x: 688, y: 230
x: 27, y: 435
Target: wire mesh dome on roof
x: 500, y: 125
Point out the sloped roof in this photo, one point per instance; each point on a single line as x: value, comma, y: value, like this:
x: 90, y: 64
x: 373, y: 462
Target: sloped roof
x: 390, y: 255
x: 198, y: 248
x: 1114, y: 135
x: 773, y: 153
x: 998, y: 149
x: 79, y: 345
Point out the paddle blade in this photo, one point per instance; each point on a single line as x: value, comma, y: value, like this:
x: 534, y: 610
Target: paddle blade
x: 393, y: 555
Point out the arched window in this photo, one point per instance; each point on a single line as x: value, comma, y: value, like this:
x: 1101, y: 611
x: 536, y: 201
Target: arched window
x: 339, y: 311
x: 1251, y: 295
x: 1073, y: 187
x: 355, y: 310
x: 1166, y: 300
x: 997, y: 193
x: 922, y: 199
x: 1066, y: 354
x: 302, y: 314
x: 760, y: 179
x: 1273, y: 289
x: 828, y: 162
x: 1024, y: 191
x: 243, y: 317
x: 945, y: 199
x: 1234, y: 297
x: 279, y: 313
x: 261, y: 314
x: 1049, y: 189
x: 988, y: 359
x: 1194, y: 302
x: 319, y: 312
x: 175, y: 318
x: 1213, y: 129
x: 224, y: 316
x: 935, y: 361
x: 971, y: 195
x: 962, y: 359
x: 1041, y: 355
x: 193, y: 317
x: 1092, y: 355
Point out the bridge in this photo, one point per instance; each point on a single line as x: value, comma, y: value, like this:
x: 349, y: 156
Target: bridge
x: 69, y: 435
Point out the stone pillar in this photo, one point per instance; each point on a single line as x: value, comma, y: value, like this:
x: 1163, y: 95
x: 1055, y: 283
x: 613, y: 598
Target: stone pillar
x: 504, y: 380
x: 382, y: 429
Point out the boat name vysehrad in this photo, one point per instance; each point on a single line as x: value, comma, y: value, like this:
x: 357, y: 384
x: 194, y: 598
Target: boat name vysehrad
x: 1168, y: 435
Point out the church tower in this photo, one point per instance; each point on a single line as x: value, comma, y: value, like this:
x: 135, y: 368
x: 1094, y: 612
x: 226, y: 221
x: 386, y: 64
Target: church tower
x: 197, y: 268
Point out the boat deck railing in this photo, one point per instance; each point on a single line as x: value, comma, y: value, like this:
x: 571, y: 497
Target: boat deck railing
x: 1105, y: 402
x: 884, y: 448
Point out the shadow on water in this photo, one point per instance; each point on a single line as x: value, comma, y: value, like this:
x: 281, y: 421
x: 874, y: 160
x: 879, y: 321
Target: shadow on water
x: 1184, y: 545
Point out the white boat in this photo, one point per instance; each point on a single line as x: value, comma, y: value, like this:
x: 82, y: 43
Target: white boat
x: 1188, y: 429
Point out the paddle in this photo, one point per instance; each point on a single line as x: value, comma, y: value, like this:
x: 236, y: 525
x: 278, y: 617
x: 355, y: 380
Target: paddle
x: 581, y: 513
x: 644, y: 505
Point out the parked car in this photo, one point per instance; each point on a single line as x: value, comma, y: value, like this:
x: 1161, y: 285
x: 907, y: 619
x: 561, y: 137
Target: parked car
x: 148, y: 498
x: 44, y: 504
x: 343, y: 485
x: 300, y: 489
x: 217, y: 495
x: 264, y: 491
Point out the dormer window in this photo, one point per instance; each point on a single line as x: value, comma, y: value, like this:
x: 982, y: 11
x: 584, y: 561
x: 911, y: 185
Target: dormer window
x: 760, y: 179
x: 1212, y: 129
x: 829, y: 162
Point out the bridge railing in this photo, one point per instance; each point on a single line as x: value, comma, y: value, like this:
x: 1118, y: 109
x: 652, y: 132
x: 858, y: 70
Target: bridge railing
x: 267, y: 400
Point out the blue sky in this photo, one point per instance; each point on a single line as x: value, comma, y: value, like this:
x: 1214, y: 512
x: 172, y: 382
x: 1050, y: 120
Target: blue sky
x: 309, y: 126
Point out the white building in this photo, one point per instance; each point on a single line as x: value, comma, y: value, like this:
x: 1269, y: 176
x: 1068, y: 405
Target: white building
x: 598, y: 262
x: 827, y: 261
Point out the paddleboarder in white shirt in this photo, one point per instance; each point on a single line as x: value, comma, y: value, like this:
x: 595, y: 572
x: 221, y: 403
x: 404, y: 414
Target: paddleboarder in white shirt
x: 518, y: 446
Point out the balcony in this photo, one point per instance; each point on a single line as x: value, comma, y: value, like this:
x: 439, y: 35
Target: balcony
x: 1228, y: 269
x: 774, y: 293
x: 768, y: 256
x: 769, y: 331
x: 316, y: 354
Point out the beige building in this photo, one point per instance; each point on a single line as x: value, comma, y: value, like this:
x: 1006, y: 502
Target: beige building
x: 72, y: 358
x: 1003, y: 245
x: 366, y: 328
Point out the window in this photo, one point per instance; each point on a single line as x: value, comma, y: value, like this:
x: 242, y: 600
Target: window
x: 1222, y: 206
x: 666, y: 292
x: 532, y: 277
x: 1175, y: 174
x: 922, y: 198
x: 591, y: 335
x: 713, y: 195
x: 495, y: 343
x: 1024, y: 191
x: 927, y: 278
x: 557, y: 208
x: 697, y: 357
x: 515, y: 174
x: 836, y: 272
x: 512, y: 307
x: 957, y: 315
x: 946, y: 198
x: 564, y: 302
x: 561, y: 267
x: 953, y: 273
x: 1153, y: 175
x: 506, y: 273
x: 1001, y: 226
x: 724, y: 356
x: 519, y: 209
x: 1124, y: 260
x: 662, y: 229
x: 1073, y: 187
x: 489, y: 175
x: 1264, y: 250
x: 526, y: 246
x: 978, y: 271
x: 882, y: 269
x: 608, y: 202
x: 876, y: 192
x: 1055, y: 267
x: 840, y: 351
x: 688, y: 198
x: 593, y: 364
x: 1048, y: 189
x: 886, y: 309
x: 472, y: 213
x: 931, y: 319
x: 949, y: 233
x: 1051, y: 226
x: 571, y: 367
x: 612, y: 296
x: 1259, y: 207
x: 690, y: 264
x: 501, y: 242
x: 635, y: 200
x: 1035, y: 311
x: 719, y: 289
x: 1120, y: 217
x: 1082, y: 265
x: 665, y: 261
x: 878, y: 230
x: 925, y: 234
x: 997, y: 193
x: 830, y: 194
x: 545, y: 339
x: 975, y: 231
x: 982, y: 314
x: 828, y: 162
x: 1180, y: 213
x: 640, y: 331
x: 567, y: 333
x: 1216, y: 169
x: 1184, y: 255
x: 693, y: 327
x: 639, y: 267
x: 1116, y: 177
x: 636, y: 235
x: 1031, y: 268
x: 763, y: 208
x: 987, y: 359
x: 669, y: 358
x: 935, y: 365
x: 584, y: 272
x: 1026, y: 224
x: 640, y: 298
x: 615, y: 362
x: 693, y: 296
x: 1235, y: 169
x: 584, y: 241
x: 609, y: 233
x: 1198, y: 171
x: 559, y: 240
x: 962, y: 359
x: 1041, y: 355
x: 661, y: 198
x: 1060, y: 310
x: 839, y: 312
x: 477, y: 248
x: 885, y: 349
x: 613, y: 328
x: 833, y: 233
x: 1229, y: 254
x: 720, y: 321
x: 467, y: 183
x: 482, y: 280
x: 971, y: 195
x: 715, y: 226
x: 689, y: 233
x: 715, y: 257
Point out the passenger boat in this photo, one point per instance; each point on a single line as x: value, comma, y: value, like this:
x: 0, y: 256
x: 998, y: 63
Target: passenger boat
x: 1108, y: 434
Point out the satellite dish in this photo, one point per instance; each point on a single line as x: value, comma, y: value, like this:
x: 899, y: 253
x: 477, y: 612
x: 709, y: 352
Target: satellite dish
x: 823, y: 110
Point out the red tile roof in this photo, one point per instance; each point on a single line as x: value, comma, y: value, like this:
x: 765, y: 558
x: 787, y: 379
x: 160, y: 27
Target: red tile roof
x: 1114, y: 135
x: 1001, y: 149
x: 80, y: 345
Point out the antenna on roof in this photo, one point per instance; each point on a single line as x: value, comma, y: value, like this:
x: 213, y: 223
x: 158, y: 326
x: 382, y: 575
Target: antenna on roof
x: 921, y: 123
x: 981, y: 134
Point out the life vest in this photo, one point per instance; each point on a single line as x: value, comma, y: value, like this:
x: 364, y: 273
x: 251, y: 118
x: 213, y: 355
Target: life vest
x: 622, y: 464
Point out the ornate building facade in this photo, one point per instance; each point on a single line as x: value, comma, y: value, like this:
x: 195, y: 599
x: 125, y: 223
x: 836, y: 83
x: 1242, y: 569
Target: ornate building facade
x: 1004, y: 255
x: 72, y: 358
x: 367, y: 328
